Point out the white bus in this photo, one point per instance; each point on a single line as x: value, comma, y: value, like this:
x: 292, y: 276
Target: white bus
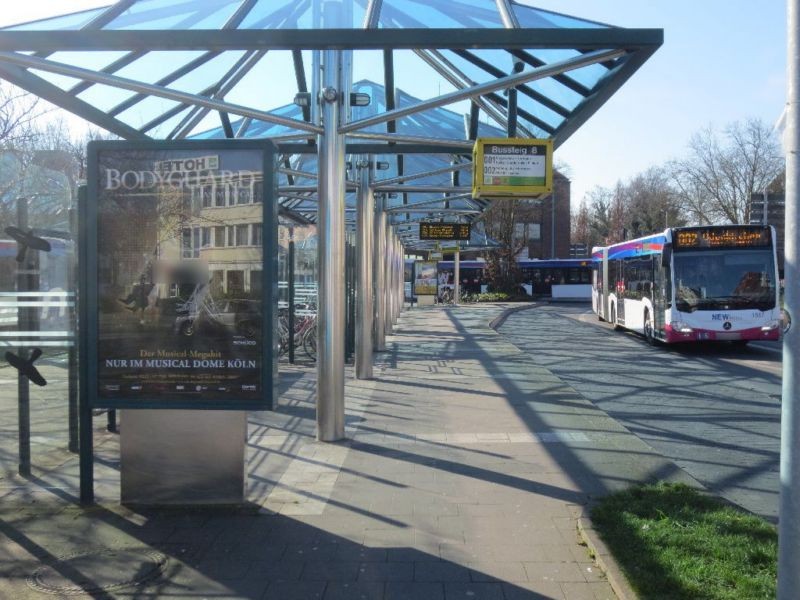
x: 690, y: 284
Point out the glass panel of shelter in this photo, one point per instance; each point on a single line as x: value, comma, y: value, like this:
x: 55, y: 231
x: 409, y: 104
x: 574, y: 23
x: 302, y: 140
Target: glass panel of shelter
x: 313, y: 14
x: 67, y: 22
x: 38, y: 265
x: 439, y: 14
x: 536, y: 18
x: 168, y: 14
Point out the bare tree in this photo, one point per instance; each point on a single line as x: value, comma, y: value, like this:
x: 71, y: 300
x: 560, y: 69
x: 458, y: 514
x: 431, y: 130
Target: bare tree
x: 718, y: 177
x: 599, y: 206
x: 617, y: 230
x: 580, y: 226
x: 18, y: 111
x: 651, y: 203
x: 507, y: 222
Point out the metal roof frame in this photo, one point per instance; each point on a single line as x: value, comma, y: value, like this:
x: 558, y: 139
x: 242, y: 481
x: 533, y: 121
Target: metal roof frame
x: 620, y: 51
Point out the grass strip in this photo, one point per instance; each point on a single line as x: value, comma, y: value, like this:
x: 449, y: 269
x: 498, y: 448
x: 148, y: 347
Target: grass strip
x: 673, y: 542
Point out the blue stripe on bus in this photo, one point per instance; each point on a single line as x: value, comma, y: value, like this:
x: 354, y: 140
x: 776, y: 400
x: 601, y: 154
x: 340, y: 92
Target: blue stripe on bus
x: 653, y: 244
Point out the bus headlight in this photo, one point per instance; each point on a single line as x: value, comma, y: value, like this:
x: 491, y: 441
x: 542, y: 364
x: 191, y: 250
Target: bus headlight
x: 771, y: 326
x: 680, y: 327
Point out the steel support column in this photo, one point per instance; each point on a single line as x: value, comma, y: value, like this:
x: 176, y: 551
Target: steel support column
x: 789, y: 509
x: 400, y: 274
x: 364, y: 292
x: 393, y: 275
x: 331, y: 231
x: 456, y: 277
x: 401, y: 293
x: 379, y: 270
x: 387, y: 268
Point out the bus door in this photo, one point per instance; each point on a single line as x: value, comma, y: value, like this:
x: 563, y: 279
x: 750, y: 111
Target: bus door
x: 604, y: 279
x: 659, y: 295
x: 537, y: 283
x: 617, y: 267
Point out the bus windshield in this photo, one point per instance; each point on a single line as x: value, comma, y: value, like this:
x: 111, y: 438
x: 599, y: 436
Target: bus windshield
x: 724, y: 279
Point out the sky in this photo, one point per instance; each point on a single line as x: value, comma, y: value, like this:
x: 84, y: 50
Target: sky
x: 722, y: 61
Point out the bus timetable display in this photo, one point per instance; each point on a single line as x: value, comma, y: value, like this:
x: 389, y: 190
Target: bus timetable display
x: 512, y: 167
x: 722, y: 237
x: 444, y: 231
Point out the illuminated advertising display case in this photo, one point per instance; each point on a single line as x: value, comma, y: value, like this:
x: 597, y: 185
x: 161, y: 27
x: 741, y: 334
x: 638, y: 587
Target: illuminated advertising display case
x: 181, y: 269
x: 425, y: 278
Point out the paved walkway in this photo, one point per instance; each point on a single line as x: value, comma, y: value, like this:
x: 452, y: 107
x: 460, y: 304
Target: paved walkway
x: 714, y: 410
x: 465, y: 470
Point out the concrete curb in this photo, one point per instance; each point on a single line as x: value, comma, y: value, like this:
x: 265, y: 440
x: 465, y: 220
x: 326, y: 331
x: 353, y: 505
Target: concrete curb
x: 605, y: 560
x: 501, y: 318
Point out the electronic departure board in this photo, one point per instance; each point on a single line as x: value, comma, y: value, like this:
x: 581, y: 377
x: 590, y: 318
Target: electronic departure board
x: 444, y: 231
x: 741, y: 236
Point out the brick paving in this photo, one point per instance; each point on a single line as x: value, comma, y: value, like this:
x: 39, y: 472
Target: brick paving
x: 465, y: 469
x: 713, y: 409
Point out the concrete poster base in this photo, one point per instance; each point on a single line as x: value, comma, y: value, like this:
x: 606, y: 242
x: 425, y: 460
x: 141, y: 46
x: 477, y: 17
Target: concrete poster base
x: 182, y: 457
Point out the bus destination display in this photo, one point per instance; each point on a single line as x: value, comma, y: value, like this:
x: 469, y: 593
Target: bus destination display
x: 512, y: 167
x: 722, y: 237
x: 444, y: 231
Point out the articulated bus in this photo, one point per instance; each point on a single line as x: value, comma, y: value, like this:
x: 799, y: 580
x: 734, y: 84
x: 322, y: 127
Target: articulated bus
x: 690, y: 284
x: 561, y: 278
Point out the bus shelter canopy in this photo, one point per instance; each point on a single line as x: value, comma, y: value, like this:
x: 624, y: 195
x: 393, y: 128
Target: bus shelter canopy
x: 173, y: 69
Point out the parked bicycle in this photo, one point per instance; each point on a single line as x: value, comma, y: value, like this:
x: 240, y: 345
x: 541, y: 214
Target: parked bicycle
x: 305, y: 332
x: 464, y: 297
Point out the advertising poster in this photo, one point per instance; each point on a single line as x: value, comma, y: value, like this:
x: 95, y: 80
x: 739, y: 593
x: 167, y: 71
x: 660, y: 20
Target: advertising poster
x: 179, y: 275
x: 425, y: 281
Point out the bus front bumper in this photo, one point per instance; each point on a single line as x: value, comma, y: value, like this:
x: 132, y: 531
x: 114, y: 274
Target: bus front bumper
x: 672, y: 335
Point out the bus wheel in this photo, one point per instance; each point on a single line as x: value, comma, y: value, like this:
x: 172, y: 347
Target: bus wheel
x: 648, y: 329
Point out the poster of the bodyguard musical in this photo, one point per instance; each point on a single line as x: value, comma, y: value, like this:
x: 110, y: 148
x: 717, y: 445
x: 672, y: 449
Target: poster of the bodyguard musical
x: 180, y: 234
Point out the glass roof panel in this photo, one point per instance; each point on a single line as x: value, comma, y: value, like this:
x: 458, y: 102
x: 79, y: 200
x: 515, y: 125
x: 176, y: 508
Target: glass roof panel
x: 71, y: 21
x: 257, y: 129
x: 176, y: 14
x: 587, y: 76
x: 162, y: 130
x: 155, y: 65
x: 557, y: 92
x: 269, y: 83
x: 146, y: 110
x: 415, y: 76
x: 306, y: 14
x: 96, y: 61
x: 537, y: 18
x: 443, y: 14
x: 61, y: 81
x: 538, y: 110
x: 103, y: 97
x: 206, y: 74
x: 274, y: 15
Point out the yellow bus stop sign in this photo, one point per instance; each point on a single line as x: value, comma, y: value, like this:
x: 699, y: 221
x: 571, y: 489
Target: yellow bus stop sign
x: 511, y: 167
